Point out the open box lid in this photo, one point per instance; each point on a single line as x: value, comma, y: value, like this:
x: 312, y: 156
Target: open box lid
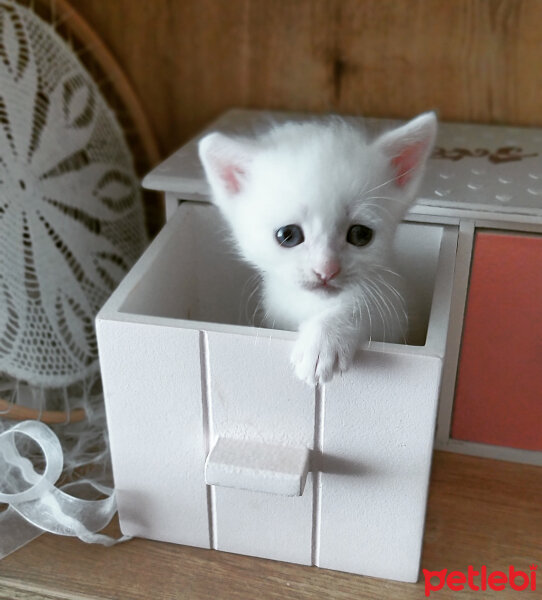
x: 476, y: 171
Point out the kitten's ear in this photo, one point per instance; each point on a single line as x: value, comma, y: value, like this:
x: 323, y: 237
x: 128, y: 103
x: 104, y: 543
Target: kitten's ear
x: 226, y: 162
x: 407, y: 148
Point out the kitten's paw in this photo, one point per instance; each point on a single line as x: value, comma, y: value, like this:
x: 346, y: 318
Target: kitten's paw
x: 318, y: 353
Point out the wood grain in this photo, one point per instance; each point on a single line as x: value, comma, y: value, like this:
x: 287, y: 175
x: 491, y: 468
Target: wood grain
x: 481, y: 512
x: 472, y: 60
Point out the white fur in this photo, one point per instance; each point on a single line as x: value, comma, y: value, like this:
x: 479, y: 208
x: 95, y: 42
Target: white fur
x: 322, y: 176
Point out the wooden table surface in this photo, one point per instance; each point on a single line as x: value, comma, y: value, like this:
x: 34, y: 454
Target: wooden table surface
x: 481, y: 512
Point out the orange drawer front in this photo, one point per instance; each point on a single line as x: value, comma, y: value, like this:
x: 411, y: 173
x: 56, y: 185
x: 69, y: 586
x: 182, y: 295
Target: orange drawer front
x: 499, y: 387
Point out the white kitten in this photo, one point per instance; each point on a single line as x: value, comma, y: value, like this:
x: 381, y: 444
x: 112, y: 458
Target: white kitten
x: 315, y: 206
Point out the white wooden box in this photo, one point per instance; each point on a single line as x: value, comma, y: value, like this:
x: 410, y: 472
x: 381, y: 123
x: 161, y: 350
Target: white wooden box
x: 182, y: 368
x: 487, y: 181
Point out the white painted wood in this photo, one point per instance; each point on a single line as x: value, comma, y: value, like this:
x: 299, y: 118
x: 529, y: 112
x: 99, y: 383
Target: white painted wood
x: 516, y: 226
x: 191, y: 273
x: 172, y: 204
x: 417, y: 251
x: 256, y: 466
x: 527, y: 457
x: 152, y: 388
x: 443, y: 215
x: 379, y: 421
x: 457, y: 311
x: 255, y: 396
x: 442, y: 293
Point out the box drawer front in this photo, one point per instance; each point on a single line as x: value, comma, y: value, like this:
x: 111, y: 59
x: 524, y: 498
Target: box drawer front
x: 254, y: 395
x: 377, y: 440
x: 152, y: 388
x: 499, y: 379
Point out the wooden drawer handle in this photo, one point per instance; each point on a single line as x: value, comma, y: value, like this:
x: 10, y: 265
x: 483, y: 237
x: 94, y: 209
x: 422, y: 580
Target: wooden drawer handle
x: 256, y: 466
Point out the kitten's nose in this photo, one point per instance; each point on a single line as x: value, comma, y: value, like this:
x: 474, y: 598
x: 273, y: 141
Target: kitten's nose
x: 328, y: 270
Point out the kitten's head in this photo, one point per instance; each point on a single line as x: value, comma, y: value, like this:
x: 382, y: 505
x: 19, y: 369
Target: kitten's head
x: 314, y: 203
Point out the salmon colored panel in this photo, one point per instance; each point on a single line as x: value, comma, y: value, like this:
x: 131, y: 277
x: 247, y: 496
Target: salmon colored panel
x: 499, y: 387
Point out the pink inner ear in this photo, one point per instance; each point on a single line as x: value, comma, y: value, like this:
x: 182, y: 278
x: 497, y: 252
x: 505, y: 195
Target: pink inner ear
x: 231, y: 175
x: 406, y: 162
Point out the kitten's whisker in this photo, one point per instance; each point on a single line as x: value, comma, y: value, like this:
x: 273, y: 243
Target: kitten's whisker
x: 382, y: 303
x: 260, y: 331
x: 256, y: 278
x: 377, y: 187
x: 399, y: 305
x: 380, y: 208
x: 391, y: 180
x: 260, y: 322
x: 253, y: 320
x: 370, y: 318
x: 402, y: 320
x: 253, y: 279
x: 385, y: 269
x: 391, y: 309
x: 355, y: 310
x: 380, y: 198
x: 360, y: 316
x: 377, y: 306
x: 404, y: 325
x: 394, y: 291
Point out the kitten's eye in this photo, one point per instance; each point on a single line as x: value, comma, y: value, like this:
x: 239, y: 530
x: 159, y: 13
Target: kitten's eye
x: 289, y: 236
x: 359, y: 235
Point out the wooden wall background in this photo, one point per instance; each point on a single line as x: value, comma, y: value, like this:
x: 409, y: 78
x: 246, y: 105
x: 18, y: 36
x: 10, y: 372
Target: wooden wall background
x: 473, y: 60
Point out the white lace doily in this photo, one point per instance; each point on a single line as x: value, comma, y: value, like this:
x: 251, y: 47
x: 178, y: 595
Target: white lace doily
x: 71, y: 218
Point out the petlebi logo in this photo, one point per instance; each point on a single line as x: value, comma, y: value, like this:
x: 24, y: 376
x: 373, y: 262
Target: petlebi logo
x: 480, y: 579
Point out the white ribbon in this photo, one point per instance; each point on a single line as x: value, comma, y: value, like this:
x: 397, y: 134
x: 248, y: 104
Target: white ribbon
x: 34, y: 503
